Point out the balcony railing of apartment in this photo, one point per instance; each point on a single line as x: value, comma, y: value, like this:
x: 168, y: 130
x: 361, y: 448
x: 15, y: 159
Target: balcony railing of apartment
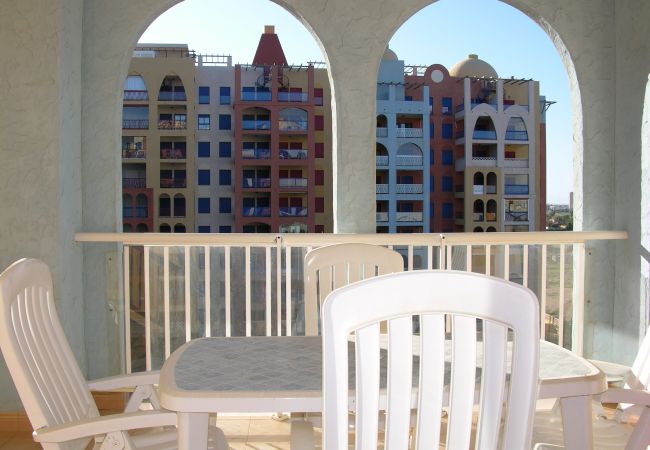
x: 484, y: 134
x: 516, y: 189
x: 168, y: 96
x: 140, y: 211
x: 382, y: 132
x: 292, y: 182
x: 409, y: 160
x: 134, y: 183
x: 490, y: 189
x: 519, y: 216
x: 130, y: 96
x: 292, y: 125
x: 133, y: 154
x: 381, y: 189
x: 260, y: 211
x: 408, y: 132
x: 256, y: 153
x: 293, y: 211
x: 250, y: 284
x: 491, y: 217
x: 135, y: 124
x: 382, y: 216
x: 478, y: 217
x: 381, y: 160
x: 256, y: 182
x: 173, y: 182
x: 478, y: 190
x: 172, y: 124
x: 256, y: 96
x: 297, y: 97
x: 516, y: 135
x: 415, y: 216
x: 293, y: 153
x: 177, y: 153
x: 255, y: 124
x: 408, y: 188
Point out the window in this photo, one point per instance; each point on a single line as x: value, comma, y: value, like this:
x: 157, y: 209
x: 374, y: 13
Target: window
x: 320, y: 204
x: 431, y: 131
x: 204, y: 121
x: 408, y: 98
x: 225, y: 205
x: 447, y: 211
x: 204, y: 149
x: 432, y: 210
x: 320, y: 149
x: 225, y: 229
x: 224, y: 95
x: 447, y: 157
x: 319, y: 229
x: 179, y: 206
x: 447, y: 184
x: 430, y: 101
x: 318, y: 96
x: 319, y: 177
x: 204, y: 177
x: 446, y: 105
x: 204, y: 205
x: 319, y: 123
x: 447, y: 131
x: 204, y: 228
x: 224, y: 149
x: 224, y: 177
x: 224, y: 121
x: 204, y: 95
x: 432, y: 156
x: 432, y: 184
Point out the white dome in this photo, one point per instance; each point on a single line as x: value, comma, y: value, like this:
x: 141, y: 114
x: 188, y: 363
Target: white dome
x: 473, y: 67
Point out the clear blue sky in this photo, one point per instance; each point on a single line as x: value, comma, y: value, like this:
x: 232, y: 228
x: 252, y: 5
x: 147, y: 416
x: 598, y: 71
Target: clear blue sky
x: 443, y: 33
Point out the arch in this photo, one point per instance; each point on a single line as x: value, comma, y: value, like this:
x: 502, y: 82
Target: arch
x: 164, y: 206
x: 477, y: 230
x: 516, y: 130
x: 409, y: 149
x: 491, y: 182
x: 382, y: 121
x: 127, y: 205
x: 142, y: 228
x: 293, y: 119
x: 479, y: 179
x: 491, y: 213
x: 172, y: 89
x: 179, y: 205
x: 127, y: 228
x: 491, y: 230
x: 179, y: 228
x: 381, y: 150
x: 164, y: 228
x: 484, y: 128
x: 135, y: 88
x: 141, y: 205
x: 478, y: 209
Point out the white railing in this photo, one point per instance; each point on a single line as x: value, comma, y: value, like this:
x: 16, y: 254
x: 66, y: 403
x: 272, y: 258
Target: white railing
x: 409, y: 216
x: 409, y: 160
x: 408, y: 132
x: 381, y: 160
x: 182, y: 286
x: 381, y: 189
x: 408, y: 188
x: 382, y: 216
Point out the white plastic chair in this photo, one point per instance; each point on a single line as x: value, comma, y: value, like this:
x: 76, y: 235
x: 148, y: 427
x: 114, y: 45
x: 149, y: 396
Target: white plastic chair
x: 629, y: 428
x: 499, y: 310
x: 53, y: 391
x: 333, y: 266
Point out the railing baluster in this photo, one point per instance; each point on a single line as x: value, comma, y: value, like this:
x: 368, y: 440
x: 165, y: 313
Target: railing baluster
x: 166, y: 301
x: 506, y: 262
x: 410, y: 257
x: 186, y: 277
x: 278, y: 284
x: 430, y: 257
x: 147, y: 310
x: 208, y: 293
x: 488, y: 259
x: 247, y: 287
x: 468, y: 258
x: 577, y: 328
x: 267, y: 291
x: 226, y: 275
x: 542, y: 294
x: 450, y: 251
x: 526, y: 266
x: 127, y: 308
x: 288, y: 289
x: 561, y: 297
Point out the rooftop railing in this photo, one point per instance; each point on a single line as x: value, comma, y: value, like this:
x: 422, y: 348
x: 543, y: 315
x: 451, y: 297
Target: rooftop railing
x: 182, y: 286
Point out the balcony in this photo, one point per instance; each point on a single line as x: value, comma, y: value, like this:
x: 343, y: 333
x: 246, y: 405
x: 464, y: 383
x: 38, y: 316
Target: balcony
x: 255, y: 96
x: 292, y: 182
x: 518, y: 216
x: 172, y: 124
x: 478, y: 190
x: 409, y: 189
x: 292, y: 125
x: 134, y: 183
x: 128, y: 153
x: 135, y: 96
x: 478, y: 217
x: 408, y: 132
x: 255, y: 125
x: 292, y: 153
x: 295, y: 97
x: 293, y: 211
x: 256, y: 183
x: 256, y: 153
x: 381, y: 189
x: 260, y: 211
x: 408, y: 216
x: 135, y: 124
x: 173, y: 154
x: 484, y: 135
x: 516, y: 189
x: 409, y: 160
x: 381, y: 160
x: 382, y: 216
x: 382, y: 132
x: 516, y: 135
x: 173, y: 182
x: 168, y: 96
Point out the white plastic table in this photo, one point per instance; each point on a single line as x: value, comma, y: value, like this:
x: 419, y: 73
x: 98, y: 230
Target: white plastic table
x: 268, y: 374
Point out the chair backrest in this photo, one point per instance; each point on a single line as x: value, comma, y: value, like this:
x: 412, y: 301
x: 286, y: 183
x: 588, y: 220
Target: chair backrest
x: 485, y: 314
x: 42, y: 365
x: 333, y: 266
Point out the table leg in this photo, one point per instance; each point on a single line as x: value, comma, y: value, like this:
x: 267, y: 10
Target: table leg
x: 192, y: 431
x: 576, y: 420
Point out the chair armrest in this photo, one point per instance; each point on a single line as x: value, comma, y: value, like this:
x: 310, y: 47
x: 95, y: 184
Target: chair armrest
x: 124, y: 381
x: 618, y: 395
x: 105, y: 424
x: 613, y: 371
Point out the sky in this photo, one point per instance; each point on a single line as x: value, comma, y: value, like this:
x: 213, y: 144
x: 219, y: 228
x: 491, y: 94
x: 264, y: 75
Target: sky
x: 442, y: 33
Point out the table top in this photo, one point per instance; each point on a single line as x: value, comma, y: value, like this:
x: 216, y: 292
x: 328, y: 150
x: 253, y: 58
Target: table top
x: 261, y: 374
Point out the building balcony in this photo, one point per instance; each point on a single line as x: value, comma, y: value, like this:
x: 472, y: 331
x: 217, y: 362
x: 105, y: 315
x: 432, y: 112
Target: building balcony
x: 135, y: 124
x: 256, y: 96
x: 247, y: 125
x: 516, y: 135
x: 409, y: 188
x: 381, y: 161
x: 251, y: 183
x: 491, y: 217
x: 382, y: 216
x: 173, y: 182
x: 408, y: 132
x: 515, y: 162
x: 293, y: 211
x: 292, y: 182
x: 516, y: 189
x: 167, y: 96
x: 260, y: 211
x: 256, y: 153
x: 382, y: 132
x: 172, y: 124
x: 134, y: 183
x: 488, y: 135
x: 133, y: 154
x: 292, y: 125
x: 409, y: 160
x: 485, y: 161
x: 295, y: 97
x: 173, y: 154
x: 518, y: 216
x: 478, y: 189
x: 135, y: 96
x: 293, y: 153
x: 381, y: 189
x: 408, y: 216
x: 478, y: 217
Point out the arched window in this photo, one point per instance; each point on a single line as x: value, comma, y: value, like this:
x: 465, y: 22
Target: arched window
x: 293, y: 119
x: 478, y: 183
x: 142, y: 228
x: 479, y: 211
x: 491, y: 215
x: 127, y: 206
x: 382, y: 126
x: 164, y: 206
x: 478, y: 229
x: 381, y: 155
x: 491, y: 230
x: 172, y: 89
x: 179, y: 228
x: 164, y: 228
x: 179, y: 205
x: 409, y: 155
x: 516, y: 130
x: 491, y: 183
x: 141, y: 206
x: 135, y: 88
x: 484, y: 129
x: 127, y: 228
